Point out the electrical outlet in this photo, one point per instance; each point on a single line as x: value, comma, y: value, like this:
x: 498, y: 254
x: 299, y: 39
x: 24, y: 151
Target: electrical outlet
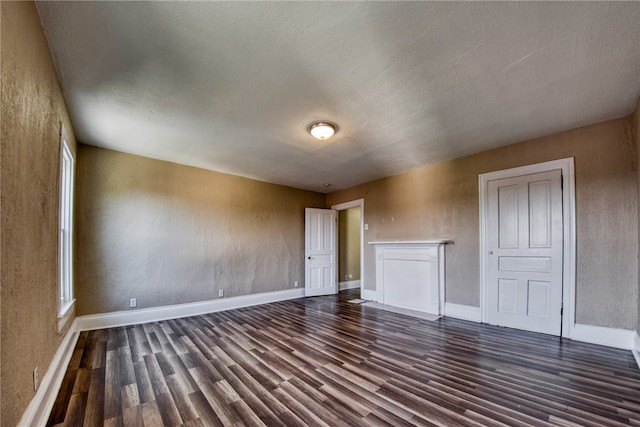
x: 351, y: 276
x: 36, y: 378
x: 220, y: 293
x: 133, y: 302
x: 295, y: 284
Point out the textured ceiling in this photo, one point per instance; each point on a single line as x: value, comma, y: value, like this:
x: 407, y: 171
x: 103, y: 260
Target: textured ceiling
x: 232, y: 86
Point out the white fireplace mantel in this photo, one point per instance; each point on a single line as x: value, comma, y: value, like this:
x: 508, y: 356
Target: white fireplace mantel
x: 410, y: 274
x: 411, y: 242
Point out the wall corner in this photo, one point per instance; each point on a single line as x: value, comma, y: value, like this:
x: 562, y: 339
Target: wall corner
x: 635, y: 132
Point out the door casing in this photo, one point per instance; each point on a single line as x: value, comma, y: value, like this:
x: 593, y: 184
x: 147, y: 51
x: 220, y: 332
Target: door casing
x: 569, y: 233
x: 349, y: 205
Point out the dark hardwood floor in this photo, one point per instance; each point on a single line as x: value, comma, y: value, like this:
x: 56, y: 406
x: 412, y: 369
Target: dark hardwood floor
x: 324, y: 361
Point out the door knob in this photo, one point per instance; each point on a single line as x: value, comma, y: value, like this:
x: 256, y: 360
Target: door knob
x: 309, y: 257
x: 490, y: 252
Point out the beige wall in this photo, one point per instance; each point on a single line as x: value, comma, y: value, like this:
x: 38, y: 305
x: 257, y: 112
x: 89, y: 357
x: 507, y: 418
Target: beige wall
x: 32, y: 108
x: 441, y: 201
x: 168, y: 234
x: 349, y: 244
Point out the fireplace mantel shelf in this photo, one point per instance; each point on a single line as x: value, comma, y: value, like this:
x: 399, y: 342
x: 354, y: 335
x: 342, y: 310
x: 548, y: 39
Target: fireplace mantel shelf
x: 412, y: 242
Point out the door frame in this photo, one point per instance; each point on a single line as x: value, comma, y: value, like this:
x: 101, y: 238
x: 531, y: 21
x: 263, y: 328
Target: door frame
x: 569, y: 233
x: 342, y: 207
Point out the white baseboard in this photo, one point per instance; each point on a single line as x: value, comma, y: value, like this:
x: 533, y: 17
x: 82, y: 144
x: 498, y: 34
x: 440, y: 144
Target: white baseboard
x: 619, y: 338
x: 370, y: 295
x: 464, y: 312
x: 155, y: 314
x: 636, y: 349
x: 350, y: 284
x: 611, y: 337
x: 37, y: 413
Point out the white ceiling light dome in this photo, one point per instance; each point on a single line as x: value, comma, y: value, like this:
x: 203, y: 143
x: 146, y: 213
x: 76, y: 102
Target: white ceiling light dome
x: 322, y: 130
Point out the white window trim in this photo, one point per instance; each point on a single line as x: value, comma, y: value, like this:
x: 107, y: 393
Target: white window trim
x: 66, y: 300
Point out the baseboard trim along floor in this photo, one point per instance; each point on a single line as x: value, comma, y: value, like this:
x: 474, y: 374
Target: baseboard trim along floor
x: 155, y: 314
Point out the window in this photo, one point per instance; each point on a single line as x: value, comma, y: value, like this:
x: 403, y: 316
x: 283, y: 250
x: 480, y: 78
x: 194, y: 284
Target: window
x: 65, y: 287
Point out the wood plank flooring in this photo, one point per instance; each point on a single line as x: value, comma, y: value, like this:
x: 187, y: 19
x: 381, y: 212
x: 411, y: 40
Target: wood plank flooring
x: 323, y: 361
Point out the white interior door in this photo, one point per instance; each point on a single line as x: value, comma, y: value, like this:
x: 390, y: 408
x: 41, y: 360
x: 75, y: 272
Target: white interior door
x: 525, y: 250
x: 320, y: 252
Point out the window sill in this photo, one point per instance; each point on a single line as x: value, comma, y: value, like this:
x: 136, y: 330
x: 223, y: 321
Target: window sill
x: 67, y: 311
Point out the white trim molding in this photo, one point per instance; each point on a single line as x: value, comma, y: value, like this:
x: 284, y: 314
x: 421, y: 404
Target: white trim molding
x: 68, y: 314
x: 349, y: 284
x: 349, y: 205
x: 370, y: 295
x: 618, y: 338
x: 464, y: 312
x: 155, y: 314
x: 636, y: 349
x: 37, y: 413
x: 569, y: 232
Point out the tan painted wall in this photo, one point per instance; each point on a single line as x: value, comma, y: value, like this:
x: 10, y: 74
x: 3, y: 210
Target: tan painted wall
x: 32, y: 108
x: 441, y: 201
x: 349, y: 244
x: 168, y: 234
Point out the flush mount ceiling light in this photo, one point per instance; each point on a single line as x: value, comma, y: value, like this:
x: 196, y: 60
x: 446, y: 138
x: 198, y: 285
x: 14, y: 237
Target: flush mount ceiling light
x: 322, y: 130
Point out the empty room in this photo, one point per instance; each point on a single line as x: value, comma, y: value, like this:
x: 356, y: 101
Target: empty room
x: 319, y: 213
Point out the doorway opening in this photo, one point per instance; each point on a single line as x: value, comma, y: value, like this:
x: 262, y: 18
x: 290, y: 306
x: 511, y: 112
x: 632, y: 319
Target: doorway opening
x: 350, y: 247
